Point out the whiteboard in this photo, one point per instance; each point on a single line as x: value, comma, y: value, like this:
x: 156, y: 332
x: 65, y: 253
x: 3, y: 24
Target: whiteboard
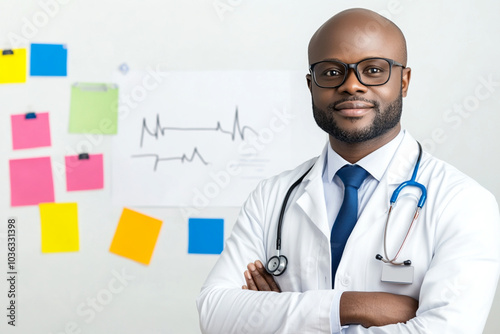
x: 211, y: 149
x: 451, y: 45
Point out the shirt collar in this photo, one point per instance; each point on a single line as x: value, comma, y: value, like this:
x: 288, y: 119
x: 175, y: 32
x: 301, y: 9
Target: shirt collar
x: 375, y: 163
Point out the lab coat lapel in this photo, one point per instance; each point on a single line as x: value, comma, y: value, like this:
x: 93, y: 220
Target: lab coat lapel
x: 312, y: 200
x: 398, y: 171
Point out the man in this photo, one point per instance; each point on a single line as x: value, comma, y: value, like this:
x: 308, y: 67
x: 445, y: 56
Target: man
x: 331, y: 284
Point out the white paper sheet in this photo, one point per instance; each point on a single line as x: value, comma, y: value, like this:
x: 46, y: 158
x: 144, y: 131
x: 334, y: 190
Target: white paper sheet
x: 201, y: 138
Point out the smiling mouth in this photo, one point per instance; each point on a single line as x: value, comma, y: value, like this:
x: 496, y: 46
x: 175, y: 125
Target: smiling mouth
x: 353, y: 108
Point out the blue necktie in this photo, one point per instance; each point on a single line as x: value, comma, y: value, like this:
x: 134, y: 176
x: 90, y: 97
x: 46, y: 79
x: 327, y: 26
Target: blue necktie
x: 352, y: 176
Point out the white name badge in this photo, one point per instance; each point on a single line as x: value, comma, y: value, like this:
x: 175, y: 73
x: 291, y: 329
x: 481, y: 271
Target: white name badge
x: 397, y: 274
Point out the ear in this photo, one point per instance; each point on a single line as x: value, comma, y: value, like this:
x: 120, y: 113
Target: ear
x: 405, y: 80
x: 309, y: 82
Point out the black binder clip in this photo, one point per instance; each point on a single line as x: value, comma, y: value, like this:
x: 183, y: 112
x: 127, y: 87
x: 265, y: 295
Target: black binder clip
x: 7, y: 52
x: 83, y: 156
x: 30, y: 115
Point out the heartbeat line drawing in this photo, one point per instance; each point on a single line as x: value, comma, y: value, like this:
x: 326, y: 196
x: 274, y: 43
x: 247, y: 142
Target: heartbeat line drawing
x: 160, y: 130
x: 183, y: 158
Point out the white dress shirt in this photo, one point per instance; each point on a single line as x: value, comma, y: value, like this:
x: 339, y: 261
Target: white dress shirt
x: 375, y: 164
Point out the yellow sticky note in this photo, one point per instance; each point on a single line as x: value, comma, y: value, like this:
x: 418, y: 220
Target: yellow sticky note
x: 13, y: 66
x: 136, y: 235
x: 59, y: 227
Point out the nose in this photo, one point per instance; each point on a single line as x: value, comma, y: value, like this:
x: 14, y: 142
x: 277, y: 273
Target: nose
x: 351, y: 84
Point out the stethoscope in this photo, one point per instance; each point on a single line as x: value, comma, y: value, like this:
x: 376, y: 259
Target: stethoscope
x: 423, y: 196
x: 277, y: 264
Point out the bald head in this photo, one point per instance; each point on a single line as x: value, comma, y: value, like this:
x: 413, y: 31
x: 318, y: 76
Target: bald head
x: 355, y: 34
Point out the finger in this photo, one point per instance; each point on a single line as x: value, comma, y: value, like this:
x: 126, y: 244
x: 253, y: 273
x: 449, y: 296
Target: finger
x: 250, y: 283
x: 268, y: 277
x: 244, y: 287
x: 258, y: 279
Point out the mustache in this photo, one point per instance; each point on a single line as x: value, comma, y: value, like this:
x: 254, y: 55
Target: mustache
x: 334, y: 105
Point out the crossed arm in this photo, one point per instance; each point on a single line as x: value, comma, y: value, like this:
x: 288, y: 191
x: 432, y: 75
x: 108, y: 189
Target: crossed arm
x: 455, y: 294
x: 365, y: 308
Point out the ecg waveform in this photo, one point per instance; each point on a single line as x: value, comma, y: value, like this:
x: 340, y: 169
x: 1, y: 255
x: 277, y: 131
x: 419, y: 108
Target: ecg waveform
x: 237, y: 130
x: 183, y: 158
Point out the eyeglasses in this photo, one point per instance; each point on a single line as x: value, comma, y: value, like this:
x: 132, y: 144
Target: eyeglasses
x: 370, y: 72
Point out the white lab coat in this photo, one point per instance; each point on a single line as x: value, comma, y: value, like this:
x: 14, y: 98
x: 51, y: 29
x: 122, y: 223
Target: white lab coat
x: 454, y: 247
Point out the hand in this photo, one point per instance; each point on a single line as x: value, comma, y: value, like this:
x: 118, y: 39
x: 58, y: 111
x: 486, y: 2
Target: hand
x: 258, y: 279
x: 376, y: 308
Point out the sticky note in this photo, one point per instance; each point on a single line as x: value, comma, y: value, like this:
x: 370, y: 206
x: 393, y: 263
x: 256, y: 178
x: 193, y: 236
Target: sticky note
x: 13, y: 66
x: 30, y: 132
x: 136, y: 235
x: 31, y: 181
x: 48, y: 60
x: 206, y: 236
x: 59, y: 227
x: 84, y: 174
x: 94, y: 108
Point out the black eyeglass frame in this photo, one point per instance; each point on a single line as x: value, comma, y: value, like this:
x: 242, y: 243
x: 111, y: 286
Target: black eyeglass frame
x: 354, y: 66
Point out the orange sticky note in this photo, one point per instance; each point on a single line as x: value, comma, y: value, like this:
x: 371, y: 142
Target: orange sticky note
x: 135, y: 237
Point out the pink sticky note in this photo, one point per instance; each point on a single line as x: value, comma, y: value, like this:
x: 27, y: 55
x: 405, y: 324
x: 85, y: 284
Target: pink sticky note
x: 31, y: 181
x: 84, y: 174
x: 30, y: 132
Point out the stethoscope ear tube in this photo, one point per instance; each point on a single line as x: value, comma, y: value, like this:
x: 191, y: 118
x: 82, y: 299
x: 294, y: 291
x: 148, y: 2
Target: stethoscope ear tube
x: 412, y: 183
x: 423, y: 196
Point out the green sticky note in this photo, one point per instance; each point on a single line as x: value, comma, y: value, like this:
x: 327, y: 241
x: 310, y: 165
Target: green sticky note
x: 94, y: 108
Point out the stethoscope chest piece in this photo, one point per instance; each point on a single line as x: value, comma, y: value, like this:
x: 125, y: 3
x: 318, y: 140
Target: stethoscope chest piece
x: 276, y: 265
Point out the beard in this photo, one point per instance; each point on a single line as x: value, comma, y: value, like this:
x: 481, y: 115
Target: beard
x: 383, y: 122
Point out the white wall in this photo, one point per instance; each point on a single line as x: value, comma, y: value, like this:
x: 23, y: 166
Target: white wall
x: 453, y: 47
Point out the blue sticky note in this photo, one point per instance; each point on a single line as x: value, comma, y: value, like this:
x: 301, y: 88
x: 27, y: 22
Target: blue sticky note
x: 206, y: 236
x: 49, y: 60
